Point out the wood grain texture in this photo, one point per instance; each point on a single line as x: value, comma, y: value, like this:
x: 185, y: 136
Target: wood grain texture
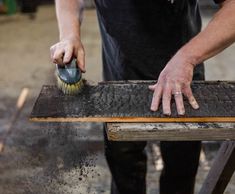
x: 170, y: 131
x: 129, y: 101
x: 221, y: 171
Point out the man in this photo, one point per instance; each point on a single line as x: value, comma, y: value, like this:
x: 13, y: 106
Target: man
x: 146, y: 40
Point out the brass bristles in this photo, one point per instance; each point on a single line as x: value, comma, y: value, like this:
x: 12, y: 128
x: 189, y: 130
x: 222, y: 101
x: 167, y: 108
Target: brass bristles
x: 70, y: 89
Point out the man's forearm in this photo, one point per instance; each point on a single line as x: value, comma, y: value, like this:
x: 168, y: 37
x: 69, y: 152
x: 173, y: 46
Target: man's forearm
x: 219, y: 34
x: 69, y: 17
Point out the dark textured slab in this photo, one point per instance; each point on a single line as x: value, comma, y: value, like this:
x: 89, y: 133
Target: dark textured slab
x: 130, y: 102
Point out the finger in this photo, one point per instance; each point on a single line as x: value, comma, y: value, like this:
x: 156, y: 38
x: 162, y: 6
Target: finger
x: 156, y: 98
x: 81, y: 60
x: 52, y: 50
x: 166, y: 100
x: 152, y: 87
x: 192, y: 101
x: 58, y: 56
x: 177, y: 92
x: 68, y: 55
x: 179, y: 103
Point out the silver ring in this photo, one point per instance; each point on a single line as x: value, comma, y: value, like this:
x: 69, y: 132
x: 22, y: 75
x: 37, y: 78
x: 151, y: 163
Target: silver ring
x: 177, y: 93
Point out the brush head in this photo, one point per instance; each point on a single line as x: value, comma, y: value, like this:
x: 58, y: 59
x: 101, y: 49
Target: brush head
x: 69, y: 78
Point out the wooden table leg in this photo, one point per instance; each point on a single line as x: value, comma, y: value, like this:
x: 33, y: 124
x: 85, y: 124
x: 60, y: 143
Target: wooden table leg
x: 221, y: 171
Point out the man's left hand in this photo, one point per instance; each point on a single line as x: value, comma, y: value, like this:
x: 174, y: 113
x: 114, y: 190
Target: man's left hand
x: 174, y: 81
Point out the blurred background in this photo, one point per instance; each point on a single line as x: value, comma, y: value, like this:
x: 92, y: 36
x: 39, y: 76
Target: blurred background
x: 66, y: 158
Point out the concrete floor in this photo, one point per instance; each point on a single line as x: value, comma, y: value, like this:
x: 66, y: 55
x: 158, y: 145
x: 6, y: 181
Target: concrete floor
x: 62, y: 158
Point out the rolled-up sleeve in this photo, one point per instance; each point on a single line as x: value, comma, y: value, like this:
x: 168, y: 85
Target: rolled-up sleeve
x: 219, y: 1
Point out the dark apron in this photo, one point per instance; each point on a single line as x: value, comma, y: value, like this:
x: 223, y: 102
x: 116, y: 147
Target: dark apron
x: 138, y: 39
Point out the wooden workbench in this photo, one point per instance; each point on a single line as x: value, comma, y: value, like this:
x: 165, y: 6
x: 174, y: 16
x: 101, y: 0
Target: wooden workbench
x: 224, y: 163
x: 125, y: 106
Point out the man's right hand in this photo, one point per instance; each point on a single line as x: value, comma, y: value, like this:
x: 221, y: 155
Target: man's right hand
x: 68, y: 48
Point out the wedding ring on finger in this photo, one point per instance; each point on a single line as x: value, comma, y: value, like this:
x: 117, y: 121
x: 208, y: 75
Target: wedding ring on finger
x: 179, y: 93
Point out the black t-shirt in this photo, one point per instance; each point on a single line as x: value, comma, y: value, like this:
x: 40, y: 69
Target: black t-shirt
x: 139, y: 37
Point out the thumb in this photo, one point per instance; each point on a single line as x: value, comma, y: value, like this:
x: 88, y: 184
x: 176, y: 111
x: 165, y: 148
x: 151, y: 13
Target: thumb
x: 152, y: 87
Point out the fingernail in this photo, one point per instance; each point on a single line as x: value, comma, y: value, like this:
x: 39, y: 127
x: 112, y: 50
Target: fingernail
x: 196, y: 106
x: 167, y: 113
x: 65, y: 61
x: 182, y: 113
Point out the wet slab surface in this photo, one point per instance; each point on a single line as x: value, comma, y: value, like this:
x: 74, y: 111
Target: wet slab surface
x: 130, y: 102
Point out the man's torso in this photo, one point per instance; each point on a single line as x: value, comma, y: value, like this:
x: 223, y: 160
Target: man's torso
x: 139, y: 37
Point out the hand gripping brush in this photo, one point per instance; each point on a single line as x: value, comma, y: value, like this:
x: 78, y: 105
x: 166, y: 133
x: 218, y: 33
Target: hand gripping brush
x: 69, y: 78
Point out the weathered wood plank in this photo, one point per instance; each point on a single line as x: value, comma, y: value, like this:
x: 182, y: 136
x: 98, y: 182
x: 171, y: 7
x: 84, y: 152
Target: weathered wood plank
x: 170, y: 131
x: 127, y: 101
x: 221, y: 171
